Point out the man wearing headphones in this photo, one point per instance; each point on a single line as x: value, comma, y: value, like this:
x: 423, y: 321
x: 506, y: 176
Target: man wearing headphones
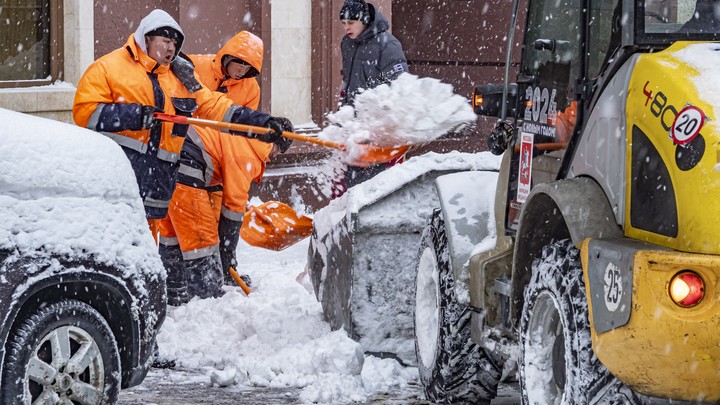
x: 371, y: 56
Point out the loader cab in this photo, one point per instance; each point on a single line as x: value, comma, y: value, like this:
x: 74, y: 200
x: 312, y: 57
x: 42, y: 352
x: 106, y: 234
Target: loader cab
x: 570, y: 52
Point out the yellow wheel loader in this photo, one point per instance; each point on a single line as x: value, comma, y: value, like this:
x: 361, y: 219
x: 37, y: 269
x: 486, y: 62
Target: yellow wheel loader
x: 602, y: 284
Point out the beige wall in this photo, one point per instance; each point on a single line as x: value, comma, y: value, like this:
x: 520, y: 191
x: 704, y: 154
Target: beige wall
x: 56, y: 101
x: 291, y: 65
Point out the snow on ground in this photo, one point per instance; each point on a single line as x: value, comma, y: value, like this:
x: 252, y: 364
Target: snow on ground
x: 275, y: 337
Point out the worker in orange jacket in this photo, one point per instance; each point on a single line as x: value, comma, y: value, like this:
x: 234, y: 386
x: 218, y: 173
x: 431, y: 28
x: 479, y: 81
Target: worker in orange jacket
x: 202, y: 222
x: 119, y: 92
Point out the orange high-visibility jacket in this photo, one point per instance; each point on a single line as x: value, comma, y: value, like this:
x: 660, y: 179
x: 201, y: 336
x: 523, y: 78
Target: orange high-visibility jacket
x: 246, y: 91
x: 234, y: 162
x: 114, y: 86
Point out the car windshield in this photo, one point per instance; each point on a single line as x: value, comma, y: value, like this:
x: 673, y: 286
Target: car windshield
x: 672, y: 20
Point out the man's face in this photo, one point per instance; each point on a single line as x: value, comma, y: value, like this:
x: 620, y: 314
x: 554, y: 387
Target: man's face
x: 161, y: 49
x: 237, y: 70
x: 353, y: 28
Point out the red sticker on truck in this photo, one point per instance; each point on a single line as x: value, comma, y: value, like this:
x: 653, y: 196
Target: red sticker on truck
x: 687, y: 125
x: 524, y: 177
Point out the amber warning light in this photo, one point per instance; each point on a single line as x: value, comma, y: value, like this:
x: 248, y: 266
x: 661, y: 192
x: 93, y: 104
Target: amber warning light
x: 477, y: 100
x: 687, y: 289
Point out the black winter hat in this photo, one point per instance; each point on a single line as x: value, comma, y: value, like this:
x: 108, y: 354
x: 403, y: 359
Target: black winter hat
x: 355, y: 10
x: 167, y: 32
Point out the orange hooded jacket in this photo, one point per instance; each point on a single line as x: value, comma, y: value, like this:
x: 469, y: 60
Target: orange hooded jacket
x: 110, y: 97
x: 210, y: 158
x: 236, y: 161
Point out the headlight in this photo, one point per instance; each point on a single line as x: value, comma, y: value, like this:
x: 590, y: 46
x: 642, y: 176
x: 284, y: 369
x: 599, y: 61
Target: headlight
x: 687, y: 288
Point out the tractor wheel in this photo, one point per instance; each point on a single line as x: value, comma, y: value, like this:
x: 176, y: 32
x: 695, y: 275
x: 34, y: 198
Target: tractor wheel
x: 557, y: 363
x: 452, y: 368
x: 62, y: 353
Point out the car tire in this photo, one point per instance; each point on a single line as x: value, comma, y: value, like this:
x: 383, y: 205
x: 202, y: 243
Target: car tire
x: 453, y: 369
x: 62, y: 351
x: 557, y: 364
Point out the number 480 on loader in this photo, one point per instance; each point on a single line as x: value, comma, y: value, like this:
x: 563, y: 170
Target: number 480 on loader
x: 604, y: 281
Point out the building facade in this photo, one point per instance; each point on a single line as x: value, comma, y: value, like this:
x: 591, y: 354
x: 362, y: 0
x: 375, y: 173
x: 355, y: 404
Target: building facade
x: 46, y: 45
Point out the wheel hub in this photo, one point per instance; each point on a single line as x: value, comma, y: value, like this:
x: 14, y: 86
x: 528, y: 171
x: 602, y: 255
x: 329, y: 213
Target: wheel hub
x: 64, y: 382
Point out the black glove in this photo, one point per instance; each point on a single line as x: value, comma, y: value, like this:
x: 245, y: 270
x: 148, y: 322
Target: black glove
x: 148, y: 121
x: 283, y: 143
x: 185, y: 72
x: 229, y: 233
x: 274, y: 135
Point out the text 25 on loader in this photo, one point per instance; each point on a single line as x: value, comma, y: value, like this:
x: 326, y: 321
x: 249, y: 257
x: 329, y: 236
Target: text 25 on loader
x: 604, y: 282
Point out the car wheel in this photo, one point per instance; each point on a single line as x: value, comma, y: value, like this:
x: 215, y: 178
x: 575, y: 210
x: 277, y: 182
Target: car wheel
x: 557, y: 363
x: 452, y: 368
x: 63, y: 353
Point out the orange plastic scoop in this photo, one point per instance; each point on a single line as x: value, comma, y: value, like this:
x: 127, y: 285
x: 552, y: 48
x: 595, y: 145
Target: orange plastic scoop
x: 274, y: 225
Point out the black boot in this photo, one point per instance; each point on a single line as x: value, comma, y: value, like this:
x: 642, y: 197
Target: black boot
x: 177, y: 282
x: 205, y: 277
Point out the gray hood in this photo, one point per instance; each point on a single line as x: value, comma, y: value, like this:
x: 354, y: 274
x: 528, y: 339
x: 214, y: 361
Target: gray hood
x: 154, y: 20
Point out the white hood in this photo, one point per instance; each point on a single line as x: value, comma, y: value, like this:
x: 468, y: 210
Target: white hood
x: 154, y: 20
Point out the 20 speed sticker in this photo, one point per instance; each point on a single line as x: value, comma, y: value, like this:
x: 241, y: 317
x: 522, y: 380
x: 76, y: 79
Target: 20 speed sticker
x: 687, y: 125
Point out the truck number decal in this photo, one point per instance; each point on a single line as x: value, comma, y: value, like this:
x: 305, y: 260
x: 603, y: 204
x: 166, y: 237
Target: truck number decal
x: 659, y: 107
x: 540, y: 104
x: 613, y: 287
x: 687, y: 125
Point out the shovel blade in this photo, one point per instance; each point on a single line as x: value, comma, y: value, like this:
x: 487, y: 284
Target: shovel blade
x: 274, y: 225
x: 367, y: 155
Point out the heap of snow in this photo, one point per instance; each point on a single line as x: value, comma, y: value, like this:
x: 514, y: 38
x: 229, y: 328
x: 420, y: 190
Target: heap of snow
x: 67, y: 191
x: 275, y: 337
x: 392, y: 180
x: 408, y: 111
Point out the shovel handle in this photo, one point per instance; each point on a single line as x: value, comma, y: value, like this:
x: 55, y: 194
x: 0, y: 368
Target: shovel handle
x: 248, y: 129
x: 239, y: 281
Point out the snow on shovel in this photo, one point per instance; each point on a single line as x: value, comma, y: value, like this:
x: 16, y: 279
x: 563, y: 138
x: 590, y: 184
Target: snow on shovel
x: 409, y: 111
x: 357, y: 154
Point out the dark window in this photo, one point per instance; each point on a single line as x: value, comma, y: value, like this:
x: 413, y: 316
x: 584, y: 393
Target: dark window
x: 30, y: 42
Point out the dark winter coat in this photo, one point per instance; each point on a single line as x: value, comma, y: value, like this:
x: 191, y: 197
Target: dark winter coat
x: 373, y: 58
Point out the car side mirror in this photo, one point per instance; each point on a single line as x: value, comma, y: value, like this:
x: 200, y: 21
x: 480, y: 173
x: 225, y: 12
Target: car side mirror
x: 487, y: 100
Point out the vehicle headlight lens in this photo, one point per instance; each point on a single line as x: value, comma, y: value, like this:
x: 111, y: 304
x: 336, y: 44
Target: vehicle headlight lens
x: 687, y: 288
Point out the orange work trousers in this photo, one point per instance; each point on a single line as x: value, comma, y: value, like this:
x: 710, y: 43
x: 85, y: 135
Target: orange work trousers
x: 191, y: 222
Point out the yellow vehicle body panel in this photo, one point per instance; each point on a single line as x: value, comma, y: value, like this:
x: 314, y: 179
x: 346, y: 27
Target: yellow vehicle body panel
x: 665, y: 351
x: 661, y: 86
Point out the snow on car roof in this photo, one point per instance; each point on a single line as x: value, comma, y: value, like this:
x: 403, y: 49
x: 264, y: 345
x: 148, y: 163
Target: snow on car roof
x: 65, y: 190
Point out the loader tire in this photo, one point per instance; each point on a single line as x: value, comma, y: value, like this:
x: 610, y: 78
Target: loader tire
x: 453, y: 369
x: 557, y: 364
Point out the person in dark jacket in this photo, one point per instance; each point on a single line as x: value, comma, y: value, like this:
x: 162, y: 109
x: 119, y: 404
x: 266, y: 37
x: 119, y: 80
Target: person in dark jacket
x: 371, y: 56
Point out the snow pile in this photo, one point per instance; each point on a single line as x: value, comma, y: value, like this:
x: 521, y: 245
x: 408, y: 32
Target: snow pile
x: 276, y: 337
x: 69, y: 191
x: 393, y: 179
x: 408, y: 111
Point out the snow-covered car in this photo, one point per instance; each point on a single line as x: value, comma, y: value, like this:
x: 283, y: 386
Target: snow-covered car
x: 82, y: 288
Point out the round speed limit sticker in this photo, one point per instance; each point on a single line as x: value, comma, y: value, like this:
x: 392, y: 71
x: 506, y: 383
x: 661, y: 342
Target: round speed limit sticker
x: 687, y: 125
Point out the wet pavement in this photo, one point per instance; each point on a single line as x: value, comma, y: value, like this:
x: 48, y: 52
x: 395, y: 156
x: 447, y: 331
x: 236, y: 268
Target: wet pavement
x: 189, y: 387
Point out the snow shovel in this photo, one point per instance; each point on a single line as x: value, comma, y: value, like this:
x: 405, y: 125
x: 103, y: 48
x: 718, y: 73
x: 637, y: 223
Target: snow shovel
x: 274, y: 225
x: 363, y: 155
x: 239, y: 280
